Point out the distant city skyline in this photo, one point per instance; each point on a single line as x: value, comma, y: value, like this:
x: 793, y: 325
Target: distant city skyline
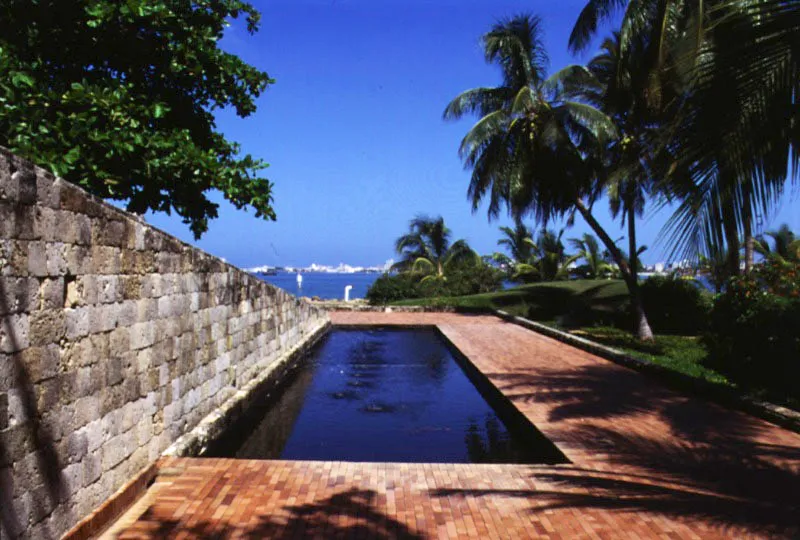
x: 354, y: 135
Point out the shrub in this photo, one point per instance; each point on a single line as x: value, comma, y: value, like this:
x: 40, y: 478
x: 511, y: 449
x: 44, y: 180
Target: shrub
x: 392, y: 287
x: 753, y: 335
x: 461, y: 281
x: 468, y: 280
x: 675, y: 306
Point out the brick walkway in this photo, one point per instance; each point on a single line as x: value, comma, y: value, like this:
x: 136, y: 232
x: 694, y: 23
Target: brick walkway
x: 645, y: 462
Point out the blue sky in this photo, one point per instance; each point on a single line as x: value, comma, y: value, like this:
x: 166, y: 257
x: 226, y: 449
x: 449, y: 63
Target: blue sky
x: 353, y: 130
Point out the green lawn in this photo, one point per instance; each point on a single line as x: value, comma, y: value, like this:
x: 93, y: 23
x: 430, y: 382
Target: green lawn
x: 680, y: 353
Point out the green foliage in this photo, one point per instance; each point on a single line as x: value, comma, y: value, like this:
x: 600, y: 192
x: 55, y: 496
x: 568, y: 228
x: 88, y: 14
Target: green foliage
x: 675, y: 306
x: 463, y: 280
x: 753, y: 335
x: 393, y: 287
x: 119, y: 98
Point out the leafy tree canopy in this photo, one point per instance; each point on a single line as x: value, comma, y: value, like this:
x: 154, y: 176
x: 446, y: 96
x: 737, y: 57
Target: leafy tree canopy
x: 119, y: 96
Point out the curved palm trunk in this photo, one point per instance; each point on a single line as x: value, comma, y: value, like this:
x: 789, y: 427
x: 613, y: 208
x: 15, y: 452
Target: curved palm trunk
x: 643, y: 330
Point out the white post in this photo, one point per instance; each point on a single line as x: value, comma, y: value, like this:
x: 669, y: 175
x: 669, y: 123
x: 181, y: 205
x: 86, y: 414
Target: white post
x: 347, y: 293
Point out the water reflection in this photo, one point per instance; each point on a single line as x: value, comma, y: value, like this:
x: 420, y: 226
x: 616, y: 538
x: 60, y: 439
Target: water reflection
x: 394, y: 395
x: 492, y: 444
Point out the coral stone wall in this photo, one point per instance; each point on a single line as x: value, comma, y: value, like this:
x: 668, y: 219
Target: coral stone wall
x: 115, y: 340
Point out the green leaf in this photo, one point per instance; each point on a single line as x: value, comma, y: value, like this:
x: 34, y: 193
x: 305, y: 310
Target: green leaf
x: 19, y: 79
x: 72, y: 156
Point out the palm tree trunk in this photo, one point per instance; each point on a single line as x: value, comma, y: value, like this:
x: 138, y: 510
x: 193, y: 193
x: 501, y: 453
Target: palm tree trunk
x: 731, y: 239
x: 747, y: 226
x: 643, y: 330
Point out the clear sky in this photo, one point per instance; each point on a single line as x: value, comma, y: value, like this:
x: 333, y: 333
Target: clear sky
x: 353, y: 128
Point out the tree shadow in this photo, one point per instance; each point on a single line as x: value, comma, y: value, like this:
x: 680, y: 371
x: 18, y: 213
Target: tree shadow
x: 607, y: 391
x: 570, y: 307
x: 675, y: 455
x: 725, y: 490
x: 31, y: 433
x: 349, y: 514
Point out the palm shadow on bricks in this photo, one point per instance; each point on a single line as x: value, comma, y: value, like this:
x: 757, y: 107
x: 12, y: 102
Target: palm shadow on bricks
x: 607, y: 392
x: 31, y: 435
x: 731, y: 493
x: 676, y: 455
x: 350, y: 514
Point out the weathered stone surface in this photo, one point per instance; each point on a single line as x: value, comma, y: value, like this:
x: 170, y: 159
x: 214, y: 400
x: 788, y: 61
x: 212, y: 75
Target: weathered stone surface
x: 115, y: 340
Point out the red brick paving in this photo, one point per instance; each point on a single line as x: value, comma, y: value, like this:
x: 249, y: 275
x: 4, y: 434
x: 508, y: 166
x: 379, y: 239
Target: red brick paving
x: 646, y: 462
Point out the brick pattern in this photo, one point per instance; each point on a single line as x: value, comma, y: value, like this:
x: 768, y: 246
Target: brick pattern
x: 646, y: 462
x: 115, y: 339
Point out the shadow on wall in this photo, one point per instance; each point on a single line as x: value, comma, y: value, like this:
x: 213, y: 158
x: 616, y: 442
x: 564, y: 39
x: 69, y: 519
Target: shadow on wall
x: 346, y: 515
x: 710, y: 464
x: 29, y: 434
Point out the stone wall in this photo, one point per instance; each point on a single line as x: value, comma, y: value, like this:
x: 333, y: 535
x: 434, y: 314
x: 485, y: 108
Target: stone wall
x: 115, y: 340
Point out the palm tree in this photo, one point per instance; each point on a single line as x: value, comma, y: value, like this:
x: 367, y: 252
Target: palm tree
x: 588, y: 249
x: 517, y: 241
x: 736, y: 124
x: 729, y: 71
x: 426, y: 249
x: 786, y: 245
x: 619, y: 85
x: 534, y: 149
x: 548, y: 260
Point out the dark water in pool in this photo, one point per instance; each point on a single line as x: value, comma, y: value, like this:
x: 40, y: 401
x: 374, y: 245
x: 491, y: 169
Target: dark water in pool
x: 383, y: 395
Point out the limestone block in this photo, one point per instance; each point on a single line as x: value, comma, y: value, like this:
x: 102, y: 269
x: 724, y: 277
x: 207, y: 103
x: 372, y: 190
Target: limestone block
x: 127, y: 313
x: 9, y: 186
x: 47, y: 326
x: 78, y: 258
x: 47, y: 194
x: 74, y: 447
x: 87, y: 409
x: 142, y: 335
x: 96, y: 435
x: 77, y: 322
x: 92, y: 469
x: 56, y: 258
x: 51, y: 293
x: 103, y: 317
x: 45, y: 224
x: 14, y: 332
x: 108, y: 290
x: 37, y: 258
x: 106, y: 259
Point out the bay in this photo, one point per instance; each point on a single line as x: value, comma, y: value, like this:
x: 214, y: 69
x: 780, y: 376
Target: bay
x: 325, y: 285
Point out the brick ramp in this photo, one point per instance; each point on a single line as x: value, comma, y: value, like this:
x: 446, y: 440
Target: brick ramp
x: 646, y: 462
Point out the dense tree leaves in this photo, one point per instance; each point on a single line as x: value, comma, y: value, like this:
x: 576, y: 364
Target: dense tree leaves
x: 119, y: 96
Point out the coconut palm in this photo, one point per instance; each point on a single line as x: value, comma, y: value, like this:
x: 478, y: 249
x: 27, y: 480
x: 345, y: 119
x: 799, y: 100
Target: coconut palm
x: 785, y: 245
x: 548, y: 260
x: 427, y: 249
x: 517, y: 241
x: 619, y: 85
x: 588, y: 250
x: 736, y: 124
x: 729, y: 72
x: 535, y: 150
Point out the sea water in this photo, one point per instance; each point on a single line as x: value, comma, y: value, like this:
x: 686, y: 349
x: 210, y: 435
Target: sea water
x: 328, y: 286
